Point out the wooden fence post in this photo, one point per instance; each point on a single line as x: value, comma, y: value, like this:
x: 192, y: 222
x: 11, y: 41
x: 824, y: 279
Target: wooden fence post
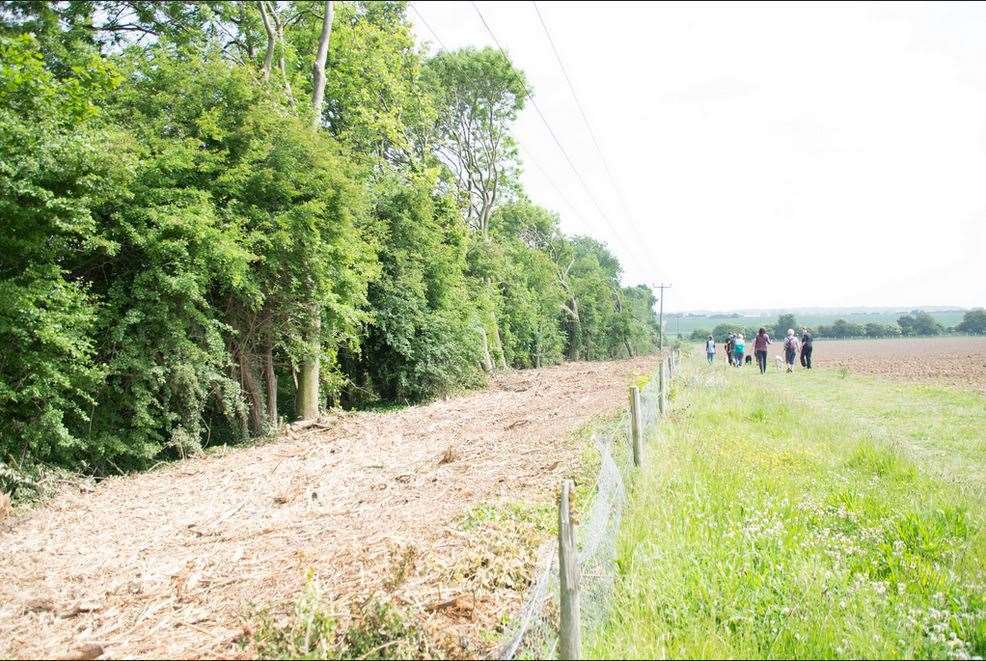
x: 635, y: 426
x: 570, y: 642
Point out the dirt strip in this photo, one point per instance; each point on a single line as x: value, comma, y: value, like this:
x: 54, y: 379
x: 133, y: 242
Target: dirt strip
x: 169, y: 563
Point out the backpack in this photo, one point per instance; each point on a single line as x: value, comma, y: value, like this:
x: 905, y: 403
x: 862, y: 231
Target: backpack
x: 789, y: 343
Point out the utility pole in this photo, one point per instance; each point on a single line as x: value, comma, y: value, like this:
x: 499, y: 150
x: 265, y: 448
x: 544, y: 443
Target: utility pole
x: 660, y: 341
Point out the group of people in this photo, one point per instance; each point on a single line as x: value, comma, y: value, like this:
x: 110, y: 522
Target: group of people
x: 735, y: 349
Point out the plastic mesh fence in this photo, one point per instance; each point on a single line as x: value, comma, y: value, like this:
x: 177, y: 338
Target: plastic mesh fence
x: 534, y: 633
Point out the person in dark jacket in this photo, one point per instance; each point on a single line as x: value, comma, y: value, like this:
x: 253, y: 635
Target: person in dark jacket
x: 806, y: 348
x: 730, y: 348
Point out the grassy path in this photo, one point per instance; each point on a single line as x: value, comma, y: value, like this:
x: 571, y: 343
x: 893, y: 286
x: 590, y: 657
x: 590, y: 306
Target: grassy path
x: 810, y: 515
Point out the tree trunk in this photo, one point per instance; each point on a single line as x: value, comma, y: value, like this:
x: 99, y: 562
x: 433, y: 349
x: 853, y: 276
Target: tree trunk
x: 252, y: 391
x: 279, y: 27
x: 271, y: 38
x: 487, y: 358
x: 573, y: 349
x: 270, y: 380
x: 242, y: 415
x: 501, y: 356
x: 318, y: 68
x: 308, y: 400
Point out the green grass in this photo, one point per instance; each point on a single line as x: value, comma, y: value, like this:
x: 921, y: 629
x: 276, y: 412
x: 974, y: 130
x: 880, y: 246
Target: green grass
x: 805, y: 515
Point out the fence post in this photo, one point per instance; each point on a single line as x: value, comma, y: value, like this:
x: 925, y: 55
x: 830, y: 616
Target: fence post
x: 662, y: 402
x: 570, y: 642
x: 635, y: 426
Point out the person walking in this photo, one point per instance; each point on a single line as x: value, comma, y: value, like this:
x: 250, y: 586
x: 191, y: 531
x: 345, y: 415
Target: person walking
x: 730, y: 347
x: 760, y: 348
x: 790, y: 349
x: 806, y: 348
x: 710, y: 349
x: 739, y: 350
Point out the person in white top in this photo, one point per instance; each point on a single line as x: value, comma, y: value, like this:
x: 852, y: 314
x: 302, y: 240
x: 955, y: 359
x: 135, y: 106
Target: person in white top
x: 791, y: 345
x: 710, y: 349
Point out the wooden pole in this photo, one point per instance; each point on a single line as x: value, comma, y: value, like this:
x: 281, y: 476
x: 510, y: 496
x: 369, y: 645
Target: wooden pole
x: 570, y: 642
x: 635, y: 426
x: 662, y: 400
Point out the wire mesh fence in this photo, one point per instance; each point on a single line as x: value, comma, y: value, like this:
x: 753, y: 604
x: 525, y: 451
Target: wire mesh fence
x: 534, y: 633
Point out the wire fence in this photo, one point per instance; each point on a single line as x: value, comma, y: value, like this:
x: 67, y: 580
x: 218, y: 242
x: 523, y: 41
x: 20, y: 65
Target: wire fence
x: 535, y: 631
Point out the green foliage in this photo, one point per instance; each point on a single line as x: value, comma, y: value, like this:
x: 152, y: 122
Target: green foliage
x: 784, y: 322
x: 721, y: 332
x: 919, y: 323
x: 530, y: 293
x: 973, y: 322
x: 373, y: 628
x: 56, y: 168
x: 423, y: 339
x: 874, y: 329
x: 180, y: 245
x: 699, y: 335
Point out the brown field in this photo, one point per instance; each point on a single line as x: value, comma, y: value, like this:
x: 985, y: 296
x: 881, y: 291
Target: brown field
x: 953, y: 361
x: 168, y: 563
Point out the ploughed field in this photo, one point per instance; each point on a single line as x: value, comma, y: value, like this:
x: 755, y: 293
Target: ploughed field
x: 953, y: 361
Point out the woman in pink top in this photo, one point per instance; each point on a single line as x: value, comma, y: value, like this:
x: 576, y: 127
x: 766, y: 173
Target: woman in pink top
x: 760, y: 348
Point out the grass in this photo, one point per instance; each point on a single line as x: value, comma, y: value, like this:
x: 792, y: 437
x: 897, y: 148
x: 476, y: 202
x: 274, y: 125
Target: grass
x: 813, y: 515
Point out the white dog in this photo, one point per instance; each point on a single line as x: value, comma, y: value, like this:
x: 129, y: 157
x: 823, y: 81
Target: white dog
x: 779, y: 362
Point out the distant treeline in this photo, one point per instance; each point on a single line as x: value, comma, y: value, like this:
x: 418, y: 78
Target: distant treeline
x: 916, y: 324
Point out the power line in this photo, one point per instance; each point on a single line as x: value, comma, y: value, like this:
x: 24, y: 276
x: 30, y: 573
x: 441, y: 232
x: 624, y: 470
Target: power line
x: 423, y: 21
x: 561, y: 194
x: 562, y: 149
x: 588, y: 126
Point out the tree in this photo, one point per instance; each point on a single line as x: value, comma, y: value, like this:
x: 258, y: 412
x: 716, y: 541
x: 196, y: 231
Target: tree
x: 699, y: 334
x: 784, y: 322
x: 421, y: 340
x: 875, y: 330
x: 530, y: 291
x: 973, y: 322
x: 478, y: 94
x: 722, y: 331
x: 223, y: 215
x: 919, y: 323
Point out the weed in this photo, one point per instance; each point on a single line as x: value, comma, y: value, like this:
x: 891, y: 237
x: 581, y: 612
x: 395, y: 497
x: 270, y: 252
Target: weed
x: 375, y: 628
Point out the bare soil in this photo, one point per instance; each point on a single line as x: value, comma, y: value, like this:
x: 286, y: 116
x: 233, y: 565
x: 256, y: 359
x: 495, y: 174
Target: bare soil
x: 170, y: 563
x: 952, y: 361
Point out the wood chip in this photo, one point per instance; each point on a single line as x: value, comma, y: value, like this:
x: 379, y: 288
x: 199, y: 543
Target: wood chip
x: 84, y: 652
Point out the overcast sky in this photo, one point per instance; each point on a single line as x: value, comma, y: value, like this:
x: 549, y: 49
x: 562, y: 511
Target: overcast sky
x: 769, y: 155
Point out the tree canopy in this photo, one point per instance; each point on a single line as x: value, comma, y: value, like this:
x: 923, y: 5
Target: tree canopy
x: 220, y: 216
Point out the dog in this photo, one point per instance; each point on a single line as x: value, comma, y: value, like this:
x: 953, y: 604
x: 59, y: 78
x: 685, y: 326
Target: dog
x: 748, y: 360
x: 779, y: 362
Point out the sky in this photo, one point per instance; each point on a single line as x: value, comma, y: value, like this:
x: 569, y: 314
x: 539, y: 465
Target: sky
x: 763, y: 155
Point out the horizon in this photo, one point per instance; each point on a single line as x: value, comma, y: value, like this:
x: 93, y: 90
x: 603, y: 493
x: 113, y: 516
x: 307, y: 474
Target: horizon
x: 826, y: 309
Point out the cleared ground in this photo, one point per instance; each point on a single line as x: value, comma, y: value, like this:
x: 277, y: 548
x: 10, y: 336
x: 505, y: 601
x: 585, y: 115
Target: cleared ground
x: 806, y: 515
x: 168, y: 563
x: 956, y: 361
